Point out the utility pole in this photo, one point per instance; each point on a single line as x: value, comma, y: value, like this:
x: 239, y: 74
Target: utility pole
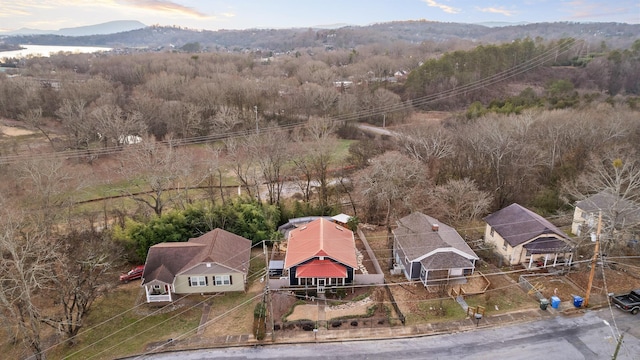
x: 594, y: 261
x: 384, y: 120
x: 255, y: 108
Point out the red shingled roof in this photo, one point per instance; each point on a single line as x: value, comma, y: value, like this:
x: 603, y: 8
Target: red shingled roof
x: 318, y: 238
x: 321, y: 268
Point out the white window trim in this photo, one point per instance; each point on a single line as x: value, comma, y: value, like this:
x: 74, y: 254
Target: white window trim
x: 222, y: 280
x: 198, y: 281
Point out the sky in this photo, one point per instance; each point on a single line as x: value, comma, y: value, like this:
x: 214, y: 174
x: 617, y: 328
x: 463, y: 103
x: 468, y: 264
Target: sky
x: 276, y: 14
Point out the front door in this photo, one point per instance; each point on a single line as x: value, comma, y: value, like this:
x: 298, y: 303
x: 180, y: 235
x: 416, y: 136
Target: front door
x: 321, y: 285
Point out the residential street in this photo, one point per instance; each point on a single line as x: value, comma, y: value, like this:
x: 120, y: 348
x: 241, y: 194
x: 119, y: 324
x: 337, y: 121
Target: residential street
x: 576, y: 337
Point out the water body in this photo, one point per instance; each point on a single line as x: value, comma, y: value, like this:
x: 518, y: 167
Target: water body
x: 47, y: 50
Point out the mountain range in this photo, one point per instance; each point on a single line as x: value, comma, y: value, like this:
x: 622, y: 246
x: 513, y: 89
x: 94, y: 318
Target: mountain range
x: 110, y: 27
x: 134, y: 34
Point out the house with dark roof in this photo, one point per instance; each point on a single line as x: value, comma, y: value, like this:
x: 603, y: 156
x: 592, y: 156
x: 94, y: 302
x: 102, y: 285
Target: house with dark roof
x: 217, y: 261
x: 320, y: 254
x: 431, y: 251
x: 618, y: 214
x: 521, y: 236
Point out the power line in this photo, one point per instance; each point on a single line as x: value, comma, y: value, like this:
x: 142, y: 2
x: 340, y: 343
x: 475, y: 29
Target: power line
x: 519, y: 69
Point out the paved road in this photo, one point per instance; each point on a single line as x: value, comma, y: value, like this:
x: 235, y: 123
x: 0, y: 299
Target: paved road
x: 567, y: 338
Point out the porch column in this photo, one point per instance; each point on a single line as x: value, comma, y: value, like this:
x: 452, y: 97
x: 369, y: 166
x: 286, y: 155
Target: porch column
x: 546, y: 258
x: 555, y: 261
x: 570, y: 258
x: 530, y: 261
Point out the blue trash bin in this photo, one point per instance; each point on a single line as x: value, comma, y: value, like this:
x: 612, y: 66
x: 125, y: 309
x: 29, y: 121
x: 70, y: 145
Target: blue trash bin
x: 577, y: 301
x: 555, y: 302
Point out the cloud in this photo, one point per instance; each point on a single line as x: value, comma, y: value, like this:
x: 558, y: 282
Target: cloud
x: 166, y: 6
x: 581, y: 9
x: 501, y: 11
x: 445, y: 8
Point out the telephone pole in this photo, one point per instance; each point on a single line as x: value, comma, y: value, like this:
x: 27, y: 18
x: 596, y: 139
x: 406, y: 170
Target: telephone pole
x: 594, y: 261
x: 255, y: 108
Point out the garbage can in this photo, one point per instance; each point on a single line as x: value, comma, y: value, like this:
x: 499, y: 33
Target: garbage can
x: 555, y: 302
x: 577, y: 301
x: 543, y: 304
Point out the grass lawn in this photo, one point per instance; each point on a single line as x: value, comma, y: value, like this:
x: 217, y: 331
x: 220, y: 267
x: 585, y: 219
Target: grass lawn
x: 114, y: 330
x: 427, y: 311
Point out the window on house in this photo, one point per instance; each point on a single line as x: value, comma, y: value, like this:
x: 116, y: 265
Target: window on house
x: 220, y: 280
x: 504, y: 245
x: 198, y: 281
x: 491, y: 233
x: 423, y: 273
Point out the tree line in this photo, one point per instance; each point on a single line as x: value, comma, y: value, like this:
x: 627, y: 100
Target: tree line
x: 291, y: 146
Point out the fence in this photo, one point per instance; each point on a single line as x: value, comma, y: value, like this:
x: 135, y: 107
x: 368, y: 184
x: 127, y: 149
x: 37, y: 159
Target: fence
x: 528, y: 287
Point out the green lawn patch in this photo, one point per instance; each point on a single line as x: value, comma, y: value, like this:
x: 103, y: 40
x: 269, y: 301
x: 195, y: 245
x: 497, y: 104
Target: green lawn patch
x: 114, y: 331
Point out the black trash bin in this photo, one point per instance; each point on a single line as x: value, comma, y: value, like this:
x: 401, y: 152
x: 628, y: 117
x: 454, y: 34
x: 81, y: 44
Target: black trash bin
x: 543, y: 304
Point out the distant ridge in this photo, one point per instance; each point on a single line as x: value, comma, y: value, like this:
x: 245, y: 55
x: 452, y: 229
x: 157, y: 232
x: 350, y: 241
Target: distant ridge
x: 111, y: 27
x: 501, y: 23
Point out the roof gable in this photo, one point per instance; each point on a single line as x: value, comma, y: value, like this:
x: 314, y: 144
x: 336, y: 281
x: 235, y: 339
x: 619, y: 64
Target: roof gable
x: 418, y: 240
x: 321, y: 238
x: 517, y: 225
x: 224, y: 248
x: 611, y: 205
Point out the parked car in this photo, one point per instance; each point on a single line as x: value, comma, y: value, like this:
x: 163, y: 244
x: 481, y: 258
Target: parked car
x: 628, y: 302
x: 133, y: 274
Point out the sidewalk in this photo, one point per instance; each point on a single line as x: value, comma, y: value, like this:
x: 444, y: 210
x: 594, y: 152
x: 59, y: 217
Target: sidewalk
x: 368, y: 333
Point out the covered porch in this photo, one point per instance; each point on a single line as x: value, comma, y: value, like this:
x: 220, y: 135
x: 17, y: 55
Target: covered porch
x: 548, y: 252
x: 158, y: 292
x: 322, y: 274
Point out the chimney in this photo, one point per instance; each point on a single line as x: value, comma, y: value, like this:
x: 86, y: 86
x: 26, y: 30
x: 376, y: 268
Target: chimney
x: 434, y: 227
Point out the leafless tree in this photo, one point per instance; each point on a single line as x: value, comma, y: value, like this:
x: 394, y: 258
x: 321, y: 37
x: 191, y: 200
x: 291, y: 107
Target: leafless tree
x: 82, y: 274
x: 428, y: 143
x: 390, y: 183
x: 114, y: 125
x: 459, y: 201
x: 75, y: 121
x: 271, y: 153
x: 615, y: 172
x: 153, y: 169
x: 33, y: 117
x: 242, y: 163
x: 26, y: 272
x: 50, y: 185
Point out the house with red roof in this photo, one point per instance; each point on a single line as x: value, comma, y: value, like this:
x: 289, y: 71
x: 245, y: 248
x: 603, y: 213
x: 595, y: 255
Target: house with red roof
x: 320, y: 254
x: 217, y: 261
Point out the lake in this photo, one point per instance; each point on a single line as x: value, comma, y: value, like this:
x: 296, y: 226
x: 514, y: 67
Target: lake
x: 47, y: 50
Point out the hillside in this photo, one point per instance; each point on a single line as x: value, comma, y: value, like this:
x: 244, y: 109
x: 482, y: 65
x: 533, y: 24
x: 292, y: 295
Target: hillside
x: 616, y: 35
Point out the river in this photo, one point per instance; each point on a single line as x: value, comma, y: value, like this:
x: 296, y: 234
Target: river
x: 47, y: 50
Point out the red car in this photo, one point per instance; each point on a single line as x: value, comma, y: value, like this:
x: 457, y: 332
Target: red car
x: 133, y: 274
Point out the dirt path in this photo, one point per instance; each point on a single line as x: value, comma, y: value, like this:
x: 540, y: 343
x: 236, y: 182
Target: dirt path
x: 14, y: 131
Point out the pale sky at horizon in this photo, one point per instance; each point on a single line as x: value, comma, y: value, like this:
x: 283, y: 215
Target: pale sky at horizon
x: 245, y: 14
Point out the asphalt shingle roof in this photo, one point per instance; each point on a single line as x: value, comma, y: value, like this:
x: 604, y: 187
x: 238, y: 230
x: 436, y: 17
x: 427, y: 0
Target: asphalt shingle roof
x: 517, y: 225
x: 415, y: 236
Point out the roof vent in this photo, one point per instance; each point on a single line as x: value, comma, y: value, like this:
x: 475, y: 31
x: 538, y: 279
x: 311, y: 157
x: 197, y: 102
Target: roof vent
x: 435, y: 227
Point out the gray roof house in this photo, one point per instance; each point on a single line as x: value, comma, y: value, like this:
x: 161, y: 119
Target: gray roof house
x: 217, y: 261
x: 617, y: 213
x: 430, y: 251
x: 522, y: 236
